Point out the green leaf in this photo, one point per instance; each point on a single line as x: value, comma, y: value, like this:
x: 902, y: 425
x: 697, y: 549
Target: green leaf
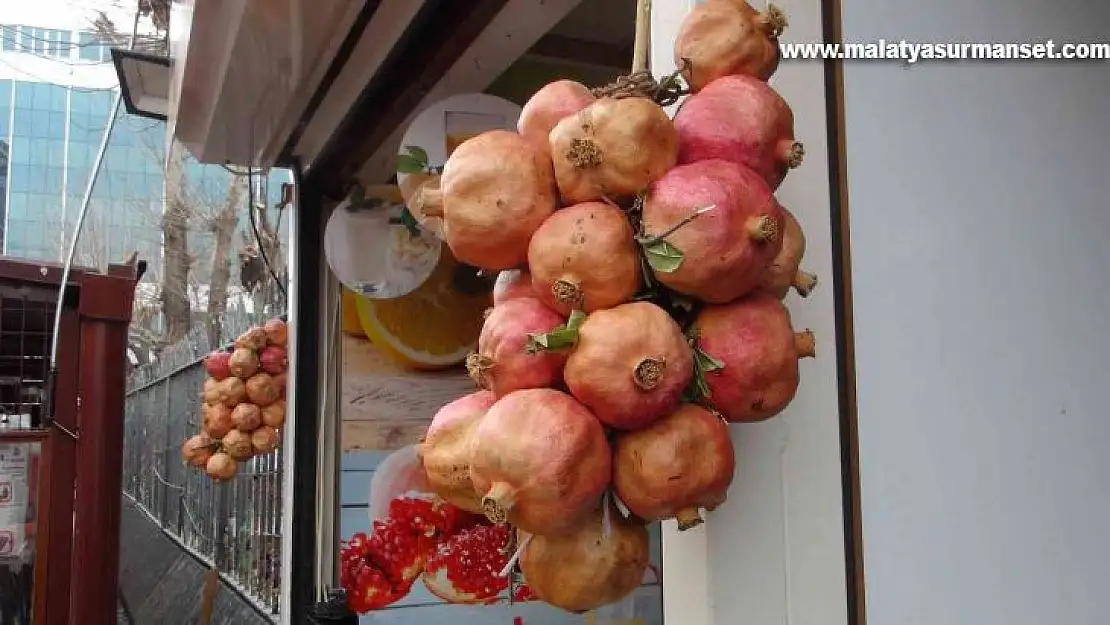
x: 563, y: 337
x: 698, y: 390
x: 419, y: 154
x: 407, y: 164
x: 410, y: 223
x: 705, y: 362
x: 663, y: 256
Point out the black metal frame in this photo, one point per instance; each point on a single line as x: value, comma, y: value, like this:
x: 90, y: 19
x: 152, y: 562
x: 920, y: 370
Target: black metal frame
x: 118, y: 56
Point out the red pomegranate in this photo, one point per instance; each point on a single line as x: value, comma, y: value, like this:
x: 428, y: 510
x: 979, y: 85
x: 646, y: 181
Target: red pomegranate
x: 683, y: 462
x: 243, y: 363
x: 197, y: 450
x: 238, y: 445
x: 784, y: 272
x: 253, y: 339
x: 431, y: 517
x: 467, y: 567
x: 277, y: 332
x: 232, y: 391
x: 265, y: 439
x: 585, y: 257
x: 274, y: 414
x: 540, y: 460
x: 445, y: 451
x: 512, y: 284
x: 548, y: 106
x: 279, y: 381
x: 378, y: 570
x: 273, y: 360
x: 262, y: 390
x: 495, y: 191
x: 725, y: 37
x: 743, y: 120
x: 613, y: 148
x: 588, y: 568
x: 726, y: 249
x: 211, y: 391
x: 217, y: 421
x: 246, y: 417
x: 630, y: 365
x: 753, y: 339
x: 217, y: 365
x: 221, y: 467
x: 502, y: 364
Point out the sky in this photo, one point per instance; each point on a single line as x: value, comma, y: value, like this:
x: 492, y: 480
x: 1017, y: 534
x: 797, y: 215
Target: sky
x: 74, y: 14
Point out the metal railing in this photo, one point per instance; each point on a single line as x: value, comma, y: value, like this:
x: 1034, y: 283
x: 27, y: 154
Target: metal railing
x: 234, y: 526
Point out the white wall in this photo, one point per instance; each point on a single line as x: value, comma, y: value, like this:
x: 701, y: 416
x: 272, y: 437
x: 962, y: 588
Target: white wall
x: 980, y: 233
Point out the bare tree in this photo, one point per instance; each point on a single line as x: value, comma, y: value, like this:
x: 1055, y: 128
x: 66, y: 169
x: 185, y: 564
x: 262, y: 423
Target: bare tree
x: 176, y: 260
x: 223, y: 225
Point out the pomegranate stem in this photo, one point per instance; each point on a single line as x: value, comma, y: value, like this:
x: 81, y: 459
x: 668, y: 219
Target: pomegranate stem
x: 773, y: 21
x: 497, y: 502
x: 805, y: 344
x: 648, y: 240
x: 427, y: 201
x: 688, y: 518
x: 804, y: 283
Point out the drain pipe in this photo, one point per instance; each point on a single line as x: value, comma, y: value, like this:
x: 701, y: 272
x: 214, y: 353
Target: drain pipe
x: 67, y: 267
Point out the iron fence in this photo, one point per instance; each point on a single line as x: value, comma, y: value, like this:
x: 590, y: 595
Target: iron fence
x: 233, y: 526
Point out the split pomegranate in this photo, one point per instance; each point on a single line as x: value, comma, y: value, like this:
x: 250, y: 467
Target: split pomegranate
x: 246, y: 417
x: 540, y: 461
x: 683, y: 462
x: 495, y: 191
x: 758, y: 349
x: 501, y: 363
x: 273, y: 360
x: 554, y: 102
x: 431, y: 517
x: 784, y: 271
x: 398, y: 474
x: 253, y: 339
x: 197, y: 450
x: 378, y: 570
x: 232, y: 391
x: 243, y: 363
x: 725, y: 37
x: 725, y: 250
x: 399, y: 551
x: 587, y: 569
x: 277, y: 332
x: 274, y: 414
x: 262, y: 390
x: 613, y: 148
x: 218, y: 421
x: 217, y: 365
x: 630, y: 365
x: 466, y: 568
x: 265, y: 439
x: 446, y: 449
x: 512, y: 284
x: 221, y: 467
x: 238, y: 445
x: 743, y: 120
x: 585, y: 257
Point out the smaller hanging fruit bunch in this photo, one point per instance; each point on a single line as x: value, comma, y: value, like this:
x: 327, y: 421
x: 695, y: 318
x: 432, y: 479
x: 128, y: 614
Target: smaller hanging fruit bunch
x: 243, y: 402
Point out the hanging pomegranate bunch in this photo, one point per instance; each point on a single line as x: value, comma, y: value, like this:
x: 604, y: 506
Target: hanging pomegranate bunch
x: 638, y: 311
x: 243, y: 402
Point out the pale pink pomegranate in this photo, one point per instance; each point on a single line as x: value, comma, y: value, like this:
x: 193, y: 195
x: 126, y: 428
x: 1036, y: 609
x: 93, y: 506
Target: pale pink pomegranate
x: 547, y: 107
x: 502, y: 364
x: 743, y: 120
x: 727, y: 249
x: 724, y: 37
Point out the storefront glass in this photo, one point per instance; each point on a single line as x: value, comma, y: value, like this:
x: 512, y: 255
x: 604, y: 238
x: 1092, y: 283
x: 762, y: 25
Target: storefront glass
x: 18, y: 489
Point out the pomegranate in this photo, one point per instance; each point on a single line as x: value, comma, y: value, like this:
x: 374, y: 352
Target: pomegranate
x: 585, y: 257
x: 495, y: 191
x: 246, y: 417
x: 613, y: 148
x: 502, y: 364
x: 554, y: 102
x: 279, y: 381
x: 212, y: 393
x: 378, y: 570
x: 724, y: 252
x: 540, y: 460
x: 724, y: 37
x: 430, y: 516
x: 243, y: 363
x: 274, y: 414
x: 784, y: 271
x: 232, y: 391
x: 264, y: 439
x: 683, y: 462
x: 512, y: 284
x: 197, y: 450
x: 446, y: 449
x: 217, y: 365
x: 262, y: 390
x: 587, y: 569
x: 467, y: 567
x: 422, y: 193
x: 277, y: 332
x: 273, y: 360
x: 238, y: 445
x: 218, y: 421
x: 253, y: 340
x: 630, y: 365
x: 743, y: 120
x: 221, y: 467
x: 753, y: 339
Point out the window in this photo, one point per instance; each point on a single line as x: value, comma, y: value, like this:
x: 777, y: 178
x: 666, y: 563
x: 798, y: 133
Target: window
x: 9, y: 35
x: 90, y: 50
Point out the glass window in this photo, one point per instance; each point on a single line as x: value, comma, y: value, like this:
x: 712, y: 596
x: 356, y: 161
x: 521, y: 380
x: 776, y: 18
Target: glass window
x: 38, y: 179
x: 65, y: 43
x: 5, y: 92
x: 38, y: 40
x: 89, y: 51
x: 79, y: 102
x: 56, y: 126
x: 54, y: 181
x: 21, y: 179
x: 9, y: 37
x: 18, y: 207
x: 40, y: 152
x: 58, y: 98
x: 23, y: 93
x: 57, y: 156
